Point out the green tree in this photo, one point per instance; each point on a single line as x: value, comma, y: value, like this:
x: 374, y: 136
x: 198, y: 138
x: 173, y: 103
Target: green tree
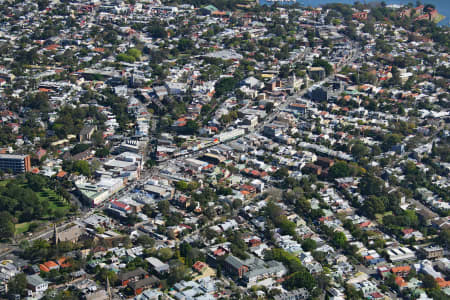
x: 323, y: 63
x: 353, y: 294
x: 125, y: 58
x: 339, y: 169
x: 373, y: 205
x: 281, y: 173
x: 157, y: 31
x: 165, y: 254
x: 185, y: 44
x: 105, y: 274
x: 444, y: 238
x: 164, y: 207
x: 359, y: 151
x: 339, y: 240
x: 36, y: 182
x: 7, y: 228
x: 17, y: 285
x: 273, y: 211
x: 225, y: 85
x: 38, y: 101
x: 429, y: 282
x: 82, y: 167
x: 102, y: 152
x: 371, y: 185
x: 191, y: 127
x: 301, y: 279
x: 78, y: 148
x: 134, y: 53
x: 309, y: 245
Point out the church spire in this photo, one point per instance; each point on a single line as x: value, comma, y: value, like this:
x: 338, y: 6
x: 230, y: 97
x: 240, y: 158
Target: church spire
x: 108, y: 289
x: 55, y: 235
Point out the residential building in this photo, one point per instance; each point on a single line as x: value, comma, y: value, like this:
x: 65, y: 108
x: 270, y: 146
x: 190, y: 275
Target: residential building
x: 36, y: 283
x: 298, y: 294
x: 158, y: 265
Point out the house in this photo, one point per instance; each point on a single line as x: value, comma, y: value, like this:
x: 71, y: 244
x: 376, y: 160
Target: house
x: 132, y: 276
x: 366, y: 287
x: 312, y: 168
x: 273, y: 84
x: 383, y: 271
x: 139, y: 286
x: 207, y: 10
x: 40, y: 153
x: 324, y: 162
x: 157, y: 265
x: 85, y: 155
x: 36, y: 283
x: 94, y: 221
x: 199, y: 266
x: 298, y: 294
x: 401, y: 271
x: 360, y: 15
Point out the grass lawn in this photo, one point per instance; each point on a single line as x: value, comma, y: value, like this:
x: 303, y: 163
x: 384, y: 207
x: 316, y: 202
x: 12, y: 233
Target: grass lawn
x: 55, y: 202
x: 22, y: 227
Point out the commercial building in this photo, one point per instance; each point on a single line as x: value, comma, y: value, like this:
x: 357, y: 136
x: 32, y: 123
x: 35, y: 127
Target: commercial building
x: 400, y: 254
x: 100, y: 191
x: 36, y: 283
x: 229, y: 135
x: 431, y: 252
x: 131, y: 146
x: 15, y: 163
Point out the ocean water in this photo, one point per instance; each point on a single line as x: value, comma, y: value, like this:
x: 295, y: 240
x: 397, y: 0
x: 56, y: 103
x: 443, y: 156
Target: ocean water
x: 443, y: 6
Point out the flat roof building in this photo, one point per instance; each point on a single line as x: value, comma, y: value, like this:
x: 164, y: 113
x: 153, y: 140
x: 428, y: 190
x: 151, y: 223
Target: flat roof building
x: 158, y: 265
x: 431, y: 252
x: 400, y: 254
x: 15, y: 163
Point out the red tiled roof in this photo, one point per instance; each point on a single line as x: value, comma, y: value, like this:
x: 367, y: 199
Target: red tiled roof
x: 400, y: 281
x: 121, y: 205
x: 63, y: 263
x: 407, y: 230
x: 52, y: 47
x: 61, y: 174
x: 401, y: 269
x: 199, y: 266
